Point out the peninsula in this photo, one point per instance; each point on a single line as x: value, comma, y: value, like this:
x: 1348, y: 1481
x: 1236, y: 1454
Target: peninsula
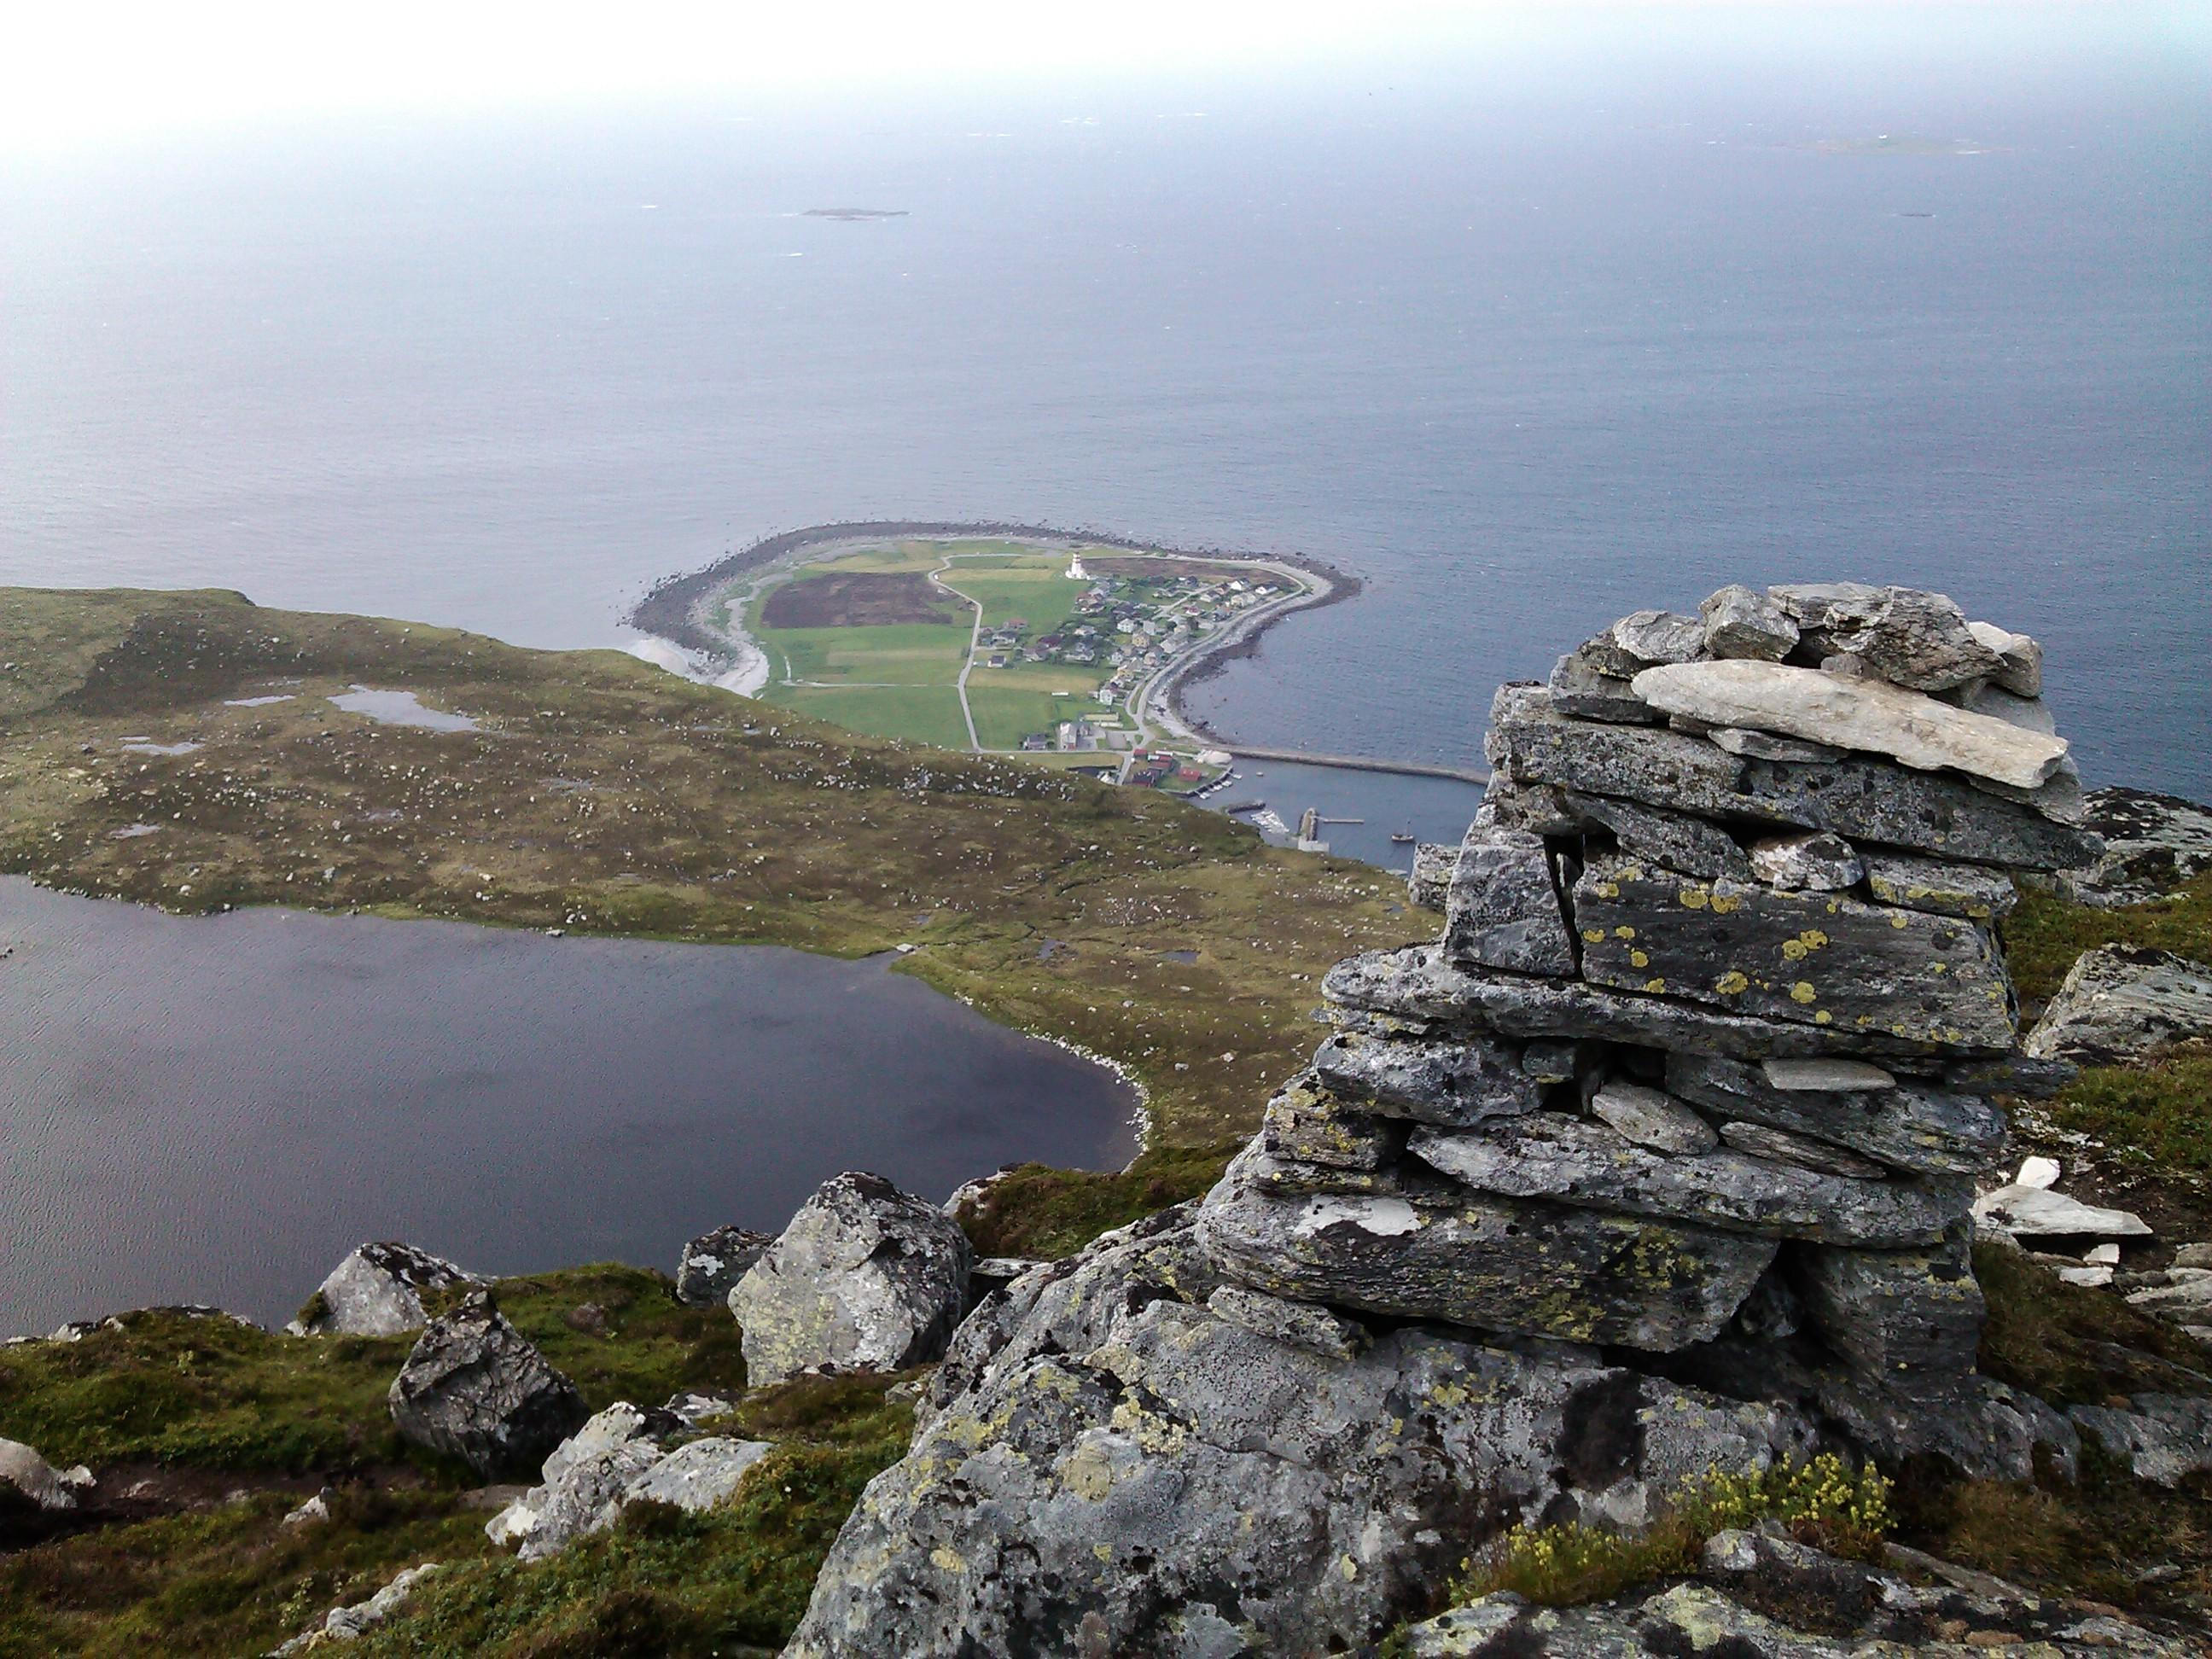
x: 1065, y: 649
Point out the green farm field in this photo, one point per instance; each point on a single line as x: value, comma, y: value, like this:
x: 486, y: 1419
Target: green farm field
x: 867, y: 641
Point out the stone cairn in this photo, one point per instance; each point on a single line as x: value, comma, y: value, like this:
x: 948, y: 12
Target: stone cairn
x: 1702, y: 1065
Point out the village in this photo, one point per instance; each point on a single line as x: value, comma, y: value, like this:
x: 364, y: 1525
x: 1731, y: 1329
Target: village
x: 1136, y: 626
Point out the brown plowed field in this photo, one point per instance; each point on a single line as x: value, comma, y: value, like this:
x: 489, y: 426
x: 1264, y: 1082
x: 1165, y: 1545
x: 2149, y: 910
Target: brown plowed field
x: 860, y: 599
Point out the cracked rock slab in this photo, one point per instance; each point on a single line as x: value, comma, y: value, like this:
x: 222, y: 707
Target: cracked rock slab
x: 1871, y: 715
x: 1419, y: 1246
x: 1575, y: 1161
x: 1908, y: 1127
x: 1134, y: 1474
x: 1819, y: 958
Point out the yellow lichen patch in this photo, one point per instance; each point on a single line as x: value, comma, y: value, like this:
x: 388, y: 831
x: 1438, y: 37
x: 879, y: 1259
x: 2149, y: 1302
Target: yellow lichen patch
x: 1629, y: 872
x: 948, y: 1560
x: 1624, y: 933
x: 1822, y: 1017
x: 1695, y: 898
x: 1899, y: 920
x: 1087, y: 1474
x: 1794, y: 949
x: 1654, y: 986
x: 1608, y: 889
x: 1594, y: 935
x: 1638, y: 959
x: 1726, y: 904
x: 1103, y: 1552
x: 1731, y: 983
x: 1349, y: 1568
x: 1802, y: 991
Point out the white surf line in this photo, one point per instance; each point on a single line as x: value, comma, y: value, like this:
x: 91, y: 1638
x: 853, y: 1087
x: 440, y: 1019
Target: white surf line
x: 975, y: 639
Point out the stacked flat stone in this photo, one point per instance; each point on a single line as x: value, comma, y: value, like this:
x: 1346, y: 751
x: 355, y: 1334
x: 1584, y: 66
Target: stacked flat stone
x: 1702, y: 1063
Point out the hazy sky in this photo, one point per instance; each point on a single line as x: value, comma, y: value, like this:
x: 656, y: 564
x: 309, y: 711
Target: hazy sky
x: 127, y: 70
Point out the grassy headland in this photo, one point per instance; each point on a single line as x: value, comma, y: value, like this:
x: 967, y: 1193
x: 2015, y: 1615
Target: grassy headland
x: 601, y: 795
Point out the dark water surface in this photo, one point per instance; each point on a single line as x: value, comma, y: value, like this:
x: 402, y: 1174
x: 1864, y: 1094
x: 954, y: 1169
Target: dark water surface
x: 1600, y: 310
x: 217, y: 1109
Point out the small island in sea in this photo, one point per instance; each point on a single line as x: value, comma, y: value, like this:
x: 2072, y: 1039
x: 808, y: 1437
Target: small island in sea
x: 855, y: 214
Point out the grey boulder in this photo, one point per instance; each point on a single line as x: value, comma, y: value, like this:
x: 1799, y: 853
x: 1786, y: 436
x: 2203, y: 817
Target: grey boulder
x: 1430, y: 879
x: 1913, y: 639
x: 1132, y: 1471
x: 713, y: 1262
x: 2164, y: 1438
x: 377, y: 1292
x: 1656, y: 636
x: 581, y: 1483
x: 476, y: 1388
x: 1812, y: 957
x: 1651, y: 1118
x: 1741, y: 622
x: 1592, y: 683
x: 2020, y: 658
x: 865, y: 1278
x: 2152, y: 844
x: 1947, y: 890
x: 2118, y: 1005
x: 1452, y: 1084
x: 616, y: 1460
x: 22, y: 1470
x: 1531, y: 745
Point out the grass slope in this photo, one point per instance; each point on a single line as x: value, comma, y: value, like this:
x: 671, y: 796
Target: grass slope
x: 604, y: 795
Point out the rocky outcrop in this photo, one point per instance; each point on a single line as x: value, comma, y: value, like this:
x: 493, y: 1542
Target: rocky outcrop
x: 2153, y: 843
x: 377, y: 1292
x: 1638, y: 1168
x: 865, y: 1278
x: 2120, y: 1006
x: 713, y: 1263
x: 2166, y: 1437
x: 34, y: 1480
x: 351, y: 1623
x: 618, y: 1458
x: 1769, y: 1598
x: 1740, y: 1114
x: 476, y: 1388
x: 1128, y: 1454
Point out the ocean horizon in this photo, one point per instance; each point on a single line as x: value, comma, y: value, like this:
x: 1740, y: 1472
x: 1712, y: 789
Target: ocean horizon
x: 1524, y: 340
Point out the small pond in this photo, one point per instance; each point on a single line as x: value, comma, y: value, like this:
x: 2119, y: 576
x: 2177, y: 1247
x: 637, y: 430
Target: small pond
x: 216, y: 1108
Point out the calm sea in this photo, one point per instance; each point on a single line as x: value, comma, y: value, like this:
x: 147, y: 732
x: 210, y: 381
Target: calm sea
x: 1605, y: 314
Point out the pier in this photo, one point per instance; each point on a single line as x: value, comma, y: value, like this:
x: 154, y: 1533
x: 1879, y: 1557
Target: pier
x: 1359, y: 763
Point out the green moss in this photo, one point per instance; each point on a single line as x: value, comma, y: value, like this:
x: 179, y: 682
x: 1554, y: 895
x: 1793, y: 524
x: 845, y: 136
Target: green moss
x: 211, y: 1393
x: 2071, y: 1345
x: 1036, y: 1211
x: 665, y: 1582
x: 1823, y: 1502
x: 2158, y: 1115
x: 2047, y: 933
x: 2097, y: 1537
x: 225, y: 1580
